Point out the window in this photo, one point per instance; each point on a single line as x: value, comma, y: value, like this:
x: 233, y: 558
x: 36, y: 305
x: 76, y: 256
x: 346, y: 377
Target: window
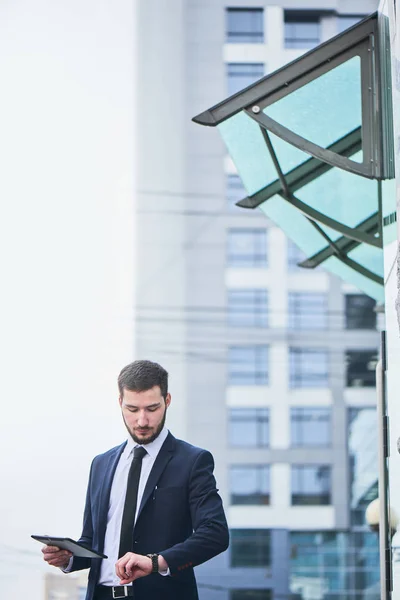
x: 241, y: 75
x: 255, y: 594
x: 302, y: 29
x: 311, y: 485
x: 346, y: 21
x: 250, y: 547
x: 249, y: 427
x: 361, y: 365
x: 362, y: 436
x: 249, y: 484
x: 307, y: 310
x: 360, y: 312
x: 248, y: 365
x: 323, y: 558
x: 247, y: 308
x: 310, y: 426
x: 247, y: 248
x: 234, y: 192
x: 295, y: 256
x: 244, y: 25
x: 308, y: 367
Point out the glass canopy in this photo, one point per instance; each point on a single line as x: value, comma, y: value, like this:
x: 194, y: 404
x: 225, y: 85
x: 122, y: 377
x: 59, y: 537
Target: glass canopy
x: 313, y: 145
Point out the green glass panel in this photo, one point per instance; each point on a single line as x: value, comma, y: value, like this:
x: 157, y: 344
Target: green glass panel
x: 325, y: 109
x: 249, y: 152
x: 292, y: 222
x: 372, y: 289
x: 246, y: 145
x: 343, y: 196
x: 289, y: 157
x: 369, y: 257
x: 304, y: 235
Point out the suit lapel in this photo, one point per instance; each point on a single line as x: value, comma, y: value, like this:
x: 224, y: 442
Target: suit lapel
x: 108, y: 476
x: 163, y: 458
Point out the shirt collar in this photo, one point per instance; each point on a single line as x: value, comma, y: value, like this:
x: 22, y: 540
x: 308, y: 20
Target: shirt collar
x: 152, y: 449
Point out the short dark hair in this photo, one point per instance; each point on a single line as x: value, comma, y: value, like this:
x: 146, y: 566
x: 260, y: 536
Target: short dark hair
x: 142, y: 375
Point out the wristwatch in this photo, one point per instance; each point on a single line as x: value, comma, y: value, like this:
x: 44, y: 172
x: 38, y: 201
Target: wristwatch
x: 154, y: 562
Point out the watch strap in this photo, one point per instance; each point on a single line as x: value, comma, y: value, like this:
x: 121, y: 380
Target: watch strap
x: 154, y: 562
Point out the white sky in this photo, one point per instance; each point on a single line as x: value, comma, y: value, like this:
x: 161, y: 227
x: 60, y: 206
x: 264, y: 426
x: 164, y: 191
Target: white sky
x: 66, y: 256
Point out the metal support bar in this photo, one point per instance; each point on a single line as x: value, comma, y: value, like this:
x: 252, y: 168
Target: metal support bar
x: 352, y: 233
x: 289, y: 74
x: 283, y: 182
x: 345, y: 245
x: 342, y: 162
x: 311, y: 213
x: 385, y: 557
x: 306, y: 172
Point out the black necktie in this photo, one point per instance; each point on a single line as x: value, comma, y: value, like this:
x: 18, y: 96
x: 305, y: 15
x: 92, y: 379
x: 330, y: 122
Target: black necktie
x: 128, y: 516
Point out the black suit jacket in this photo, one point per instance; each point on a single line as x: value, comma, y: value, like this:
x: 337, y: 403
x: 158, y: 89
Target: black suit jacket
x: 180, y: 516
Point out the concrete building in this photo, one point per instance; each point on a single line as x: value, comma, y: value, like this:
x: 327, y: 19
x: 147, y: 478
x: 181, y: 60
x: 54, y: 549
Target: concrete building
x: 270, y: 365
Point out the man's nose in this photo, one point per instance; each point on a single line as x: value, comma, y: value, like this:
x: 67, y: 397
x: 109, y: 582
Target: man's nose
x: 142, y: 419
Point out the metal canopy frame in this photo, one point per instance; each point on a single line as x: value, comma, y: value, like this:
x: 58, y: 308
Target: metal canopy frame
x: 367, y: 40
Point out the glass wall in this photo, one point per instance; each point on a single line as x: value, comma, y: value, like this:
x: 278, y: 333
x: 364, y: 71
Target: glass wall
x: 328, y: 565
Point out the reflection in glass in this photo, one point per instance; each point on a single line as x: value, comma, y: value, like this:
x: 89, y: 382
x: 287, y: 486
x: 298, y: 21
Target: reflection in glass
x: 363, y: 461
x: 360, y: 368
x: 360, y: 312
x: 334, y: 565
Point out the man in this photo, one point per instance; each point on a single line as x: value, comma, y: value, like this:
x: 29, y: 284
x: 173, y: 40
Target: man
x: 152, y: 505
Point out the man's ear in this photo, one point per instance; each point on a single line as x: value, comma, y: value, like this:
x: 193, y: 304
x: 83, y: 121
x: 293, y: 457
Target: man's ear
x: 120, y: 399
x: 167, y: 400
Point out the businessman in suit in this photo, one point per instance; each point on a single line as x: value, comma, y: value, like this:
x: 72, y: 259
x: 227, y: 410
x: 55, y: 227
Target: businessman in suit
x: 152, y: 505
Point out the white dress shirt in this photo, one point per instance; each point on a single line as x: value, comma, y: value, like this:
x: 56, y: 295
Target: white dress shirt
x: 117, y: 501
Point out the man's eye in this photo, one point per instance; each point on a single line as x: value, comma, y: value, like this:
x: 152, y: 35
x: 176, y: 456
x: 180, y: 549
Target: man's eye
x: 153, y: 409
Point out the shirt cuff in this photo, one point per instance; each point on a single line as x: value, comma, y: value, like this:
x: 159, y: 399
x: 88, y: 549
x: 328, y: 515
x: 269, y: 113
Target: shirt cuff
x: 165, y: 572
x: 68, y: 568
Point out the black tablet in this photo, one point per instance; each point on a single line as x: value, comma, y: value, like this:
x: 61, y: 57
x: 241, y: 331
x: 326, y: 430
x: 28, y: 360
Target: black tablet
x: 65, y: 543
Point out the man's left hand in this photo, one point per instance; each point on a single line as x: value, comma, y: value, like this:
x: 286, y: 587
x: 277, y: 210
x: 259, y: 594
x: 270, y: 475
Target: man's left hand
x: 132, y: 566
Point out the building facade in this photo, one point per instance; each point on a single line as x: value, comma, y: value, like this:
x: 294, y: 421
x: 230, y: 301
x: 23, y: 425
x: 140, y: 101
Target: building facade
x: 272, y: 366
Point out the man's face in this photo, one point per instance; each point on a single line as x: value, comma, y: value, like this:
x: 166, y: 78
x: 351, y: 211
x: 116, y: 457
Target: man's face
x: 144, y: 413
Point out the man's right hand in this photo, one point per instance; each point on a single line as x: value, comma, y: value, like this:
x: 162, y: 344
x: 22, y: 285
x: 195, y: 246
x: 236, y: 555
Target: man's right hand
x: 56, y: 557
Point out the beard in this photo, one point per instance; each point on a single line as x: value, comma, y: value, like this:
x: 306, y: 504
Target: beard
x: 153, y: 433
